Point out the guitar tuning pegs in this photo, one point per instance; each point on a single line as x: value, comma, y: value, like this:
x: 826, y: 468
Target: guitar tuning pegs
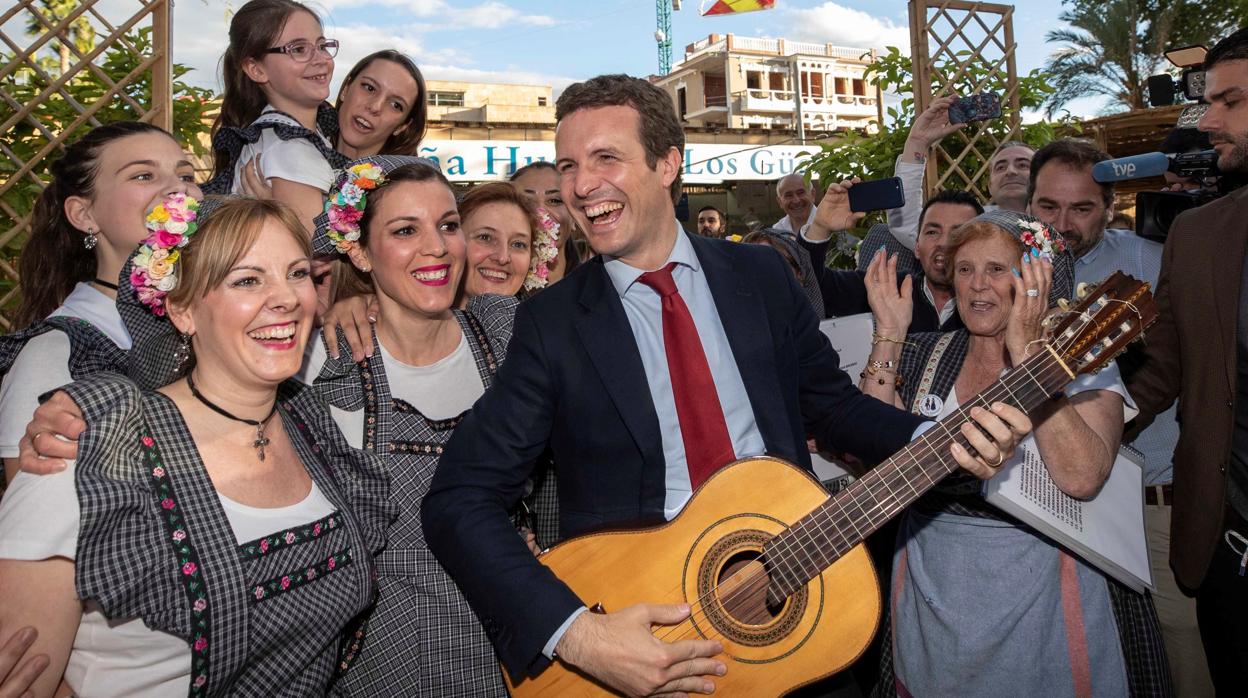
x: 1083, y: 289
x: 1063, y: 303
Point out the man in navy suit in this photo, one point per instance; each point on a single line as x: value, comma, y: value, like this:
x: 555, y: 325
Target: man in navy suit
x: 587, y: 378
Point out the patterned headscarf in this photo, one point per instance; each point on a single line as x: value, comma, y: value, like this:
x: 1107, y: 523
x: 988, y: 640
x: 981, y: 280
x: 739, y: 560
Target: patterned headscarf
x: 810, y: 282
x: 1017, y: 225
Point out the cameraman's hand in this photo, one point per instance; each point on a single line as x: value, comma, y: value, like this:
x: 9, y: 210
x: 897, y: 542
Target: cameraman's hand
x: 620, y: 650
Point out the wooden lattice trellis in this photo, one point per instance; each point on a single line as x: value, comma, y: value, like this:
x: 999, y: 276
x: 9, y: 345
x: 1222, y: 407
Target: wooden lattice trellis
x: 35, y: 130
x: 949, y: 38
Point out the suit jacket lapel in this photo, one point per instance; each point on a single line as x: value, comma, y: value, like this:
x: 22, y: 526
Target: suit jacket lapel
x: 608, y: 339
x: 744, y: 317
x: 1226, y: 259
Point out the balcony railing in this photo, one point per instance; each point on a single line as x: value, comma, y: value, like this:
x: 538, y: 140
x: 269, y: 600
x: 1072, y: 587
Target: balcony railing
x: 782, y: 101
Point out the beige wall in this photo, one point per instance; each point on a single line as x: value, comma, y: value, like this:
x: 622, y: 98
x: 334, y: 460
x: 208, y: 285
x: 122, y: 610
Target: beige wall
x: 494, y: 103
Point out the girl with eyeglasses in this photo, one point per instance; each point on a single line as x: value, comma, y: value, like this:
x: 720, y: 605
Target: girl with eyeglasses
x: 276, y: 73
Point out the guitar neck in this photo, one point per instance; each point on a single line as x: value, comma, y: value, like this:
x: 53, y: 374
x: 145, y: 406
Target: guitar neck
x: 820, y: 538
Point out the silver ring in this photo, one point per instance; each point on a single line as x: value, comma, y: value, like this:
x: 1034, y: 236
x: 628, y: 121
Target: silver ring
x: 1033, y: 292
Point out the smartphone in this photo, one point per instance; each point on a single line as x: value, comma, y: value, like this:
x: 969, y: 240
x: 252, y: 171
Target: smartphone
x: 979, y: 107
x: 876, y: 195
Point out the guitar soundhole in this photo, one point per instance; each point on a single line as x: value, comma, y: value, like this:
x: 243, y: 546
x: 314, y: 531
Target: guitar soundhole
x: 742, y: 589
x: 732, y: 574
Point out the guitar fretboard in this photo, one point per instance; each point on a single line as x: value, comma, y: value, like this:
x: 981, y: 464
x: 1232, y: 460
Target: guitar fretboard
x: 820, y: 538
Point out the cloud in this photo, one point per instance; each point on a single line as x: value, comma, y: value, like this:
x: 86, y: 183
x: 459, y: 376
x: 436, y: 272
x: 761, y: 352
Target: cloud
x: 201, y: 28
x: 833, y: 23
x: 491, y: 14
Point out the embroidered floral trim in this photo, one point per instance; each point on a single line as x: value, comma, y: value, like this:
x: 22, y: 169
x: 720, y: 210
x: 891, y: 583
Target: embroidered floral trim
x: 423, y: 448
x: 288, y: 582
x: 188, y: 563
x: 290, y: 537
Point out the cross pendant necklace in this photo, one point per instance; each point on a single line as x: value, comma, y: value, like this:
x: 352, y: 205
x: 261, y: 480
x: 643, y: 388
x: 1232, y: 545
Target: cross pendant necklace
x: 260, y: 424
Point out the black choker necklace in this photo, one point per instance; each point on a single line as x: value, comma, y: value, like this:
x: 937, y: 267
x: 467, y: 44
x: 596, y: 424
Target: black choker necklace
x: 261, y: 440
x: 105, y: 284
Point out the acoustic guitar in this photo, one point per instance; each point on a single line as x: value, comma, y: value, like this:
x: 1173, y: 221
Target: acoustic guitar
x: 773, y: 567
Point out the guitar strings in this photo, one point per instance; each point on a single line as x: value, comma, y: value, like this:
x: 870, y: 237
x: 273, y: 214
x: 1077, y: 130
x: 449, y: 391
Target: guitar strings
x: 922, y: 448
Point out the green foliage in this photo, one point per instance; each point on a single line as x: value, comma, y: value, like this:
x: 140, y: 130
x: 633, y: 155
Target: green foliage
x: 54, y: 114
x: 1112, y: 46
x: 856, y: 154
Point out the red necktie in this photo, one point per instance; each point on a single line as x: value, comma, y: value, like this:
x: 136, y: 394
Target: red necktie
x: 702, y: 427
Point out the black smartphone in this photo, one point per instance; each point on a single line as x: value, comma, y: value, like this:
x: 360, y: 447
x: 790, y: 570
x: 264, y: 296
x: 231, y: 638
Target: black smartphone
x: 979, y: 107
x: 876, y: 195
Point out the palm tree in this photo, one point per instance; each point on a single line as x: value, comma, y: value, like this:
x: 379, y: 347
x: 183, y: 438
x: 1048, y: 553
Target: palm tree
x: 1110, y: 49
x: 79, y: 32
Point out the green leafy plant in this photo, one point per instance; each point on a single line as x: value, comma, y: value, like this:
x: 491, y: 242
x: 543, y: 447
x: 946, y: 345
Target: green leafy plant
x: 54, y: 114
x: 855, y: 154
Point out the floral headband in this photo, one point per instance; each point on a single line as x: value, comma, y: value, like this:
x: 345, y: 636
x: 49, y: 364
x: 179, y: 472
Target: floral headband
x: 545, y: 250
x: 345, y: 207
x: 170, y: 226
x: 1041, y: 237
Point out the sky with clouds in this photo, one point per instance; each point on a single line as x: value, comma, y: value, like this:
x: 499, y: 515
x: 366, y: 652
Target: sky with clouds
x: 558, y: 42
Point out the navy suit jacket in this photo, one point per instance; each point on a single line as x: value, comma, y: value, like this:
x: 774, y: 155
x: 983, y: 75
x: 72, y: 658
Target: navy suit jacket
x: 574, y: 382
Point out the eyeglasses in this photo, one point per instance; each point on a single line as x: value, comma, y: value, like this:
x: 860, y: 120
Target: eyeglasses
x: 301, y: 51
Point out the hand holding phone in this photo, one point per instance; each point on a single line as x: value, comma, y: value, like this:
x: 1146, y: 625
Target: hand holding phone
x: 876, y: 195
x: 980, y: 107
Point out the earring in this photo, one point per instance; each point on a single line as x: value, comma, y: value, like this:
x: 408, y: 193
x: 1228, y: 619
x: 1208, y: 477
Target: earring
x: 91, y: 239
x: 183, y: 352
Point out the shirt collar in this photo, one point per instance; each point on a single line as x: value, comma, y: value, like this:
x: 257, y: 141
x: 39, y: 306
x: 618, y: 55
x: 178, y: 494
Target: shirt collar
x: 624, y: 276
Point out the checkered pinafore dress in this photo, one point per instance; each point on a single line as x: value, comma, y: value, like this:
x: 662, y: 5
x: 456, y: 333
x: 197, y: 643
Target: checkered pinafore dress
x: 264, y: 618
x: 422, y: 639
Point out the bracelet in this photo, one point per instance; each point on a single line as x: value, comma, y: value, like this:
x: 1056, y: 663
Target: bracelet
x: 879, y: 367
x: 888, y: 365
x: 897, y: 381
x: 877, y: 338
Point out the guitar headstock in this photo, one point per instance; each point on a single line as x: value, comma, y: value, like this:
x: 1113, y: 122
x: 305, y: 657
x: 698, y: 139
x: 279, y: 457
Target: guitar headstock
x: 1108, y: 317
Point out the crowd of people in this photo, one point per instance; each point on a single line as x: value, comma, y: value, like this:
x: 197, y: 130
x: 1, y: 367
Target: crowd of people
x: 307, y: 428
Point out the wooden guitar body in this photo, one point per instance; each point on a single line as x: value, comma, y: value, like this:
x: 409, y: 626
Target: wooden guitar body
x: 707, y: 557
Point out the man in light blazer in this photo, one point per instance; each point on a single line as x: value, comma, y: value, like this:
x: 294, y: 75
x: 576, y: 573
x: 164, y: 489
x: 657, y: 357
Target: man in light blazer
x: 587, y: 377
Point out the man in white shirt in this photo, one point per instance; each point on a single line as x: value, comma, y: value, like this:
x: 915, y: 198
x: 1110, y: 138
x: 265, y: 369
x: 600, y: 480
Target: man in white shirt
x: 798, y: 201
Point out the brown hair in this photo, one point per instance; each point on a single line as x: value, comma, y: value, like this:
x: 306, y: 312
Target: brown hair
x: 253, y: 29
x: 978, y: 230
x: 659, y: 128
x: 54, y: 258
x: 407, y: 141
x: 496, y: 193
x: 230, y: 228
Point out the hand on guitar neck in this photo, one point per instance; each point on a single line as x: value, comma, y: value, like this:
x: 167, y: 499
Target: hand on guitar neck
x: 620, y: 650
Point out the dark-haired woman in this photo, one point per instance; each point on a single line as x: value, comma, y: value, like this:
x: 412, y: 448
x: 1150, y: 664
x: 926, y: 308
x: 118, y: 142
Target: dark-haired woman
x: 85, y: 225
x: 430, y: 363
x: 381, y: 107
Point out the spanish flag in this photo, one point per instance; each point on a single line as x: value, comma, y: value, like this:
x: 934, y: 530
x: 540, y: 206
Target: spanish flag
x: 736, y: 7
